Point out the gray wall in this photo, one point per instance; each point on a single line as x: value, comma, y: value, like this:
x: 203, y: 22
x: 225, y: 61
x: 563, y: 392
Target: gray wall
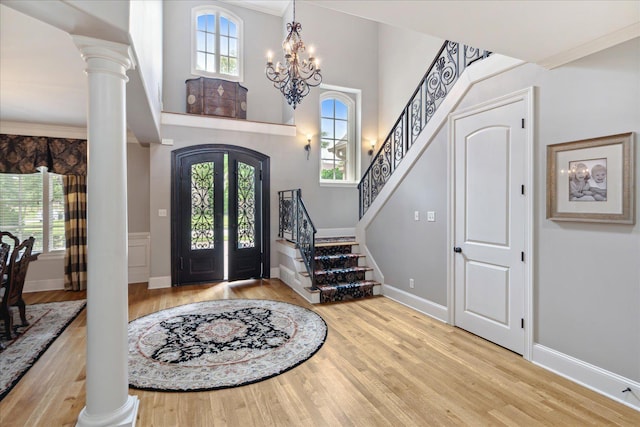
x: 263, y: 32
x: 349, y: 59
x: 138, y: 188
x: 586, y: 276
x: 407, y: 249
x: 399, y: 73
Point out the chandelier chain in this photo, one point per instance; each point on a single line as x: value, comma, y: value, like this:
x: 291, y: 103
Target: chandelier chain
x: 297, y: 74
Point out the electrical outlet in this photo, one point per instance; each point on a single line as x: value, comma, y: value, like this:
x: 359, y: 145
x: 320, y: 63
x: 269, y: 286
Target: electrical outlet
x: 416, y: 215
x: 412, y: 283
x: 431, y: 216
x: 162, y: 212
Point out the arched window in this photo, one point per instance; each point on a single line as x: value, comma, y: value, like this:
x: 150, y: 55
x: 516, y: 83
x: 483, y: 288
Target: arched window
x: 337, y: 138
x: 216, y: 43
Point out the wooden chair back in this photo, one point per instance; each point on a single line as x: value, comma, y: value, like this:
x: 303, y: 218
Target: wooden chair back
x: 18, y: 265
x: 4, y: 257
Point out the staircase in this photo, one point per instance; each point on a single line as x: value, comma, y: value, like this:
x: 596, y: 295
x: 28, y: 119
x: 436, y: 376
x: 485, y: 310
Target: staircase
x: 341, y: 273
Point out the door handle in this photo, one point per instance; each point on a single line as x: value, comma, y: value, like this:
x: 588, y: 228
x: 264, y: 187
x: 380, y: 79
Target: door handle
x: 457, y: 250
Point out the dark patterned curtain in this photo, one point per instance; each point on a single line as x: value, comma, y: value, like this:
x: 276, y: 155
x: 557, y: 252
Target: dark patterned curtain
x: 75, y: 230
x: 21, y: 154
x: 25, y: 154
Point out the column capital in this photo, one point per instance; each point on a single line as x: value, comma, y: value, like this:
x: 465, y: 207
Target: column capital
x: 105, y: 56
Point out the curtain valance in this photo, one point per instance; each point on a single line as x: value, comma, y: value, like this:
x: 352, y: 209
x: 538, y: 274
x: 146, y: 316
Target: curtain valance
x: 25, y: 154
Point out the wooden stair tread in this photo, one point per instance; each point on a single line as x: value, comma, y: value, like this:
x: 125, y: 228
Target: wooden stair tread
x: 326, y: 244
x: 338, y: 256
x: 287, y: 243
x: 343, y: 270
x: 335, y: 239
x: 348, y: 284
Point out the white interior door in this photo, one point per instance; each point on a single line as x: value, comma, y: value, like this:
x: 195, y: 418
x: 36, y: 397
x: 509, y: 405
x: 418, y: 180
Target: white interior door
x: 490, y: 224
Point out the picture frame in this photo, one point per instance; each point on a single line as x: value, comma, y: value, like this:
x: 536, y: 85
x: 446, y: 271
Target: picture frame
x: 592, y: 180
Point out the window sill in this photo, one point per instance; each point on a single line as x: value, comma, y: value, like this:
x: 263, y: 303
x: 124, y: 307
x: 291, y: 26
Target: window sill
x: 51, y: 256
x: 345, y: 184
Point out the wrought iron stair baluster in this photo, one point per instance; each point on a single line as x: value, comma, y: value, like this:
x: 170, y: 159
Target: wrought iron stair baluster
x: 295, y: 225
x: 443, y: 73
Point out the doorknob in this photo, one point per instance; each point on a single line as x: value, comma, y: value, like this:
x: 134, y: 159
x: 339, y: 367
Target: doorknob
x: 457, y: 250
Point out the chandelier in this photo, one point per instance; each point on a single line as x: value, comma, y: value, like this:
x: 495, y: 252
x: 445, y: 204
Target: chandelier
x: 297, y: 75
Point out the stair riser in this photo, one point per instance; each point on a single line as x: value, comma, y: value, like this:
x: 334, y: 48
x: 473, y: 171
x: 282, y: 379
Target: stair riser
x: 334, y: 278
x: 333, y: 263
x: 333, y: 250
x: 345, y: 294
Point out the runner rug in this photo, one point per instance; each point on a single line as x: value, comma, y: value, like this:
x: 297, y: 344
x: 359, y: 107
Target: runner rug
x: 46, y: 323
x: 220, y: 344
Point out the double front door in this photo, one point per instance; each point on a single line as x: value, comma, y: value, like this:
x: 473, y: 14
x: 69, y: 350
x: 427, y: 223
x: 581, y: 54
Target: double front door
x: 219, y: 212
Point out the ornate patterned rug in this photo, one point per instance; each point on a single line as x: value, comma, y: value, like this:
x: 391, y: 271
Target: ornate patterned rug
x: 46, y: 323
x: 220, y: 344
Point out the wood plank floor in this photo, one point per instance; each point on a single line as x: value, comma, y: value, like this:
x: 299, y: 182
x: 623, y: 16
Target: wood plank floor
x: 383, y: 364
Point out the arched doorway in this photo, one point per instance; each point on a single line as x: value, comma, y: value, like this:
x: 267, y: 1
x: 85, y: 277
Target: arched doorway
x: 219, y: 214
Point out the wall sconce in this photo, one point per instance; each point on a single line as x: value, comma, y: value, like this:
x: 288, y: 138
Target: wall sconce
x: 307, y: 147
x: 373, y: 147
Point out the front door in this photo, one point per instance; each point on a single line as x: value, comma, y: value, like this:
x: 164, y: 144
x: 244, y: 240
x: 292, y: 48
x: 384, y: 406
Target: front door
x: 245, y: 217
x: 199, y: 205
x: 219, y: 206
x: 490, y: 224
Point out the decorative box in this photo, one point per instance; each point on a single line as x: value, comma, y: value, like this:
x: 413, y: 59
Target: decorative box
x: 216, y: 97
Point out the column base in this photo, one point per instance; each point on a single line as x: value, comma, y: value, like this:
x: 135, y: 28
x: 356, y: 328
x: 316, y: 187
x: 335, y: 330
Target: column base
x: 125, y: 416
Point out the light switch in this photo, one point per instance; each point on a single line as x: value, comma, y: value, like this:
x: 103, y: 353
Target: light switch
x: 416, y: 215
x: 162, y: 212
x: 431, y: 216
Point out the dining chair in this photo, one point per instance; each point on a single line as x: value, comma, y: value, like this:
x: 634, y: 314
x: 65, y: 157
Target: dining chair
x: 16, y: 269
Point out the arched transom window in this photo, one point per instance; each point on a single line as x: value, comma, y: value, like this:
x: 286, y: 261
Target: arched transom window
x: 216, y: 43
x: 337, y: 143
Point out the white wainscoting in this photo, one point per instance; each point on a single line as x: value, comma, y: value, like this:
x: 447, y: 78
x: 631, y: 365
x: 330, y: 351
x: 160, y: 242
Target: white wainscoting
x: 139, y: 257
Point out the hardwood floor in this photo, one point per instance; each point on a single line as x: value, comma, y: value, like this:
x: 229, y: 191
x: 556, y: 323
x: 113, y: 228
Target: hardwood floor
x: 383, y: 364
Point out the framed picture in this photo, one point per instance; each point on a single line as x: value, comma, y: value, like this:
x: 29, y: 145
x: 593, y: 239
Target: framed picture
x: 592, y: 180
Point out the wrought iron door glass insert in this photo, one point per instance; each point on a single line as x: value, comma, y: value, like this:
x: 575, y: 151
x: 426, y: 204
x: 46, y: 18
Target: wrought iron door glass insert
x: 246, y: 206
x: 202, y: 220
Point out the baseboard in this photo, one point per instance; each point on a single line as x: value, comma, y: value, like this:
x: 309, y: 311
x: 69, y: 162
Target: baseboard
x: 43, y: 285
x: 422, y: 305
x: 159, y: 282
x: 589, y: 376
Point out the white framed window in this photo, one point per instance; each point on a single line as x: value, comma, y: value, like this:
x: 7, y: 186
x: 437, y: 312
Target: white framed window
x: 33, y: 205
x: 216, y: 43
x: 338, y: 153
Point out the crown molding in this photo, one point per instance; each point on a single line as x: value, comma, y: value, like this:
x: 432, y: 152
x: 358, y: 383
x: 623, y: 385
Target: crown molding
x: 49, y: 130
x: 604, y: 42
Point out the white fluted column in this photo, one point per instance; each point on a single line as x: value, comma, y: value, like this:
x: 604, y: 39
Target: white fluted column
x: 108, y: 402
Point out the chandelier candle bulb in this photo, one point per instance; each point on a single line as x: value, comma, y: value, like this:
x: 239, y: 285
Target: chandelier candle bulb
x: 295, y: 78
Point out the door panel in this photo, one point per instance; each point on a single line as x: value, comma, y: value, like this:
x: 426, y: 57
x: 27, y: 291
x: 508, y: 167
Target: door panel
x: 490, y: 224
x: 487, y: 186
x: 487, y: 291
x: 200, y: 204
x: 245, y: 217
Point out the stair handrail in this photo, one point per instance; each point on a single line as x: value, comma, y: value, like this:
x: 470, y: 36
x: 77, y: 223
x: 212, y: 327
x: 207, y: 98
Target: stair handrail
x: 296, y: 226
x: 437, y: 82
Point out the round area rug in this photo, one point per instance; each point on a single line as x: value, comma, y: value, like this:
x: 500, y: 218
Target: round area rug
x: 220, y: 344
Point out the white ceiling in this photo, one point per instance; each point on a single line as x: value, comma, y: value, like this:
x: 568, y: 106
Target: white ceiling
x: 42, y: 78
